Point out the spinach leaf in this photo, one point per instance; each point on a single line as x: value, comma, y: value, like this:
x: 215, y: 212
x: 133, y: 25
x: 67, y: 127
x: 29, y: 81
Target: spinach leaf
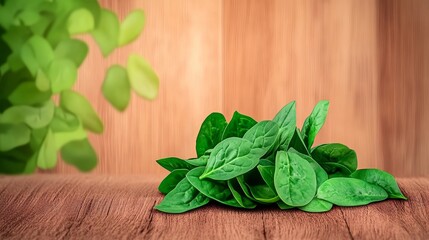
x: 238, y: 194
x: 314, y: 122
x: 245, y: 163
x: 13, y: 135
x: 198, y: 162
x: 263, y: 135
x: 284, y: 206
x: 267, y: 173
x: 182, y: 198
x: 335, y: 157
x: 131, y: 27
x: 382, y: 179
x: 216, y: 190
x: 258, y: 188
x: 143, y: 79
x: 238, y: 126
x: 263, y: 193
x: 172, y: 163
x: 241, y: 181
x: 210, y: 133
x: 265, y: 162
x: 34, y: 117
x: 321, y: 175
x: 317, y: 205
x: 297, y: 143
x: 230, y: 158
x: 294, y: 179
x: 350, y: 192
x: 80, y: 154
x: 172, y: 179
x: 286, y: 119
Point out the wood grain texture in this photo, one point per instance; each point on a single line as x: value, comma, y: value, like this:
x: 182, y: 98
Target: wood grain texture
x: 370, y: 58
x: 100, y: 207
x: 404, y: 86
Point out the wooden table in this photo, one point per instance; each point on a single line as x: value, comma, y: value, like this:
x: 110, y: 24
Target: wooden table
x: 86, y: 206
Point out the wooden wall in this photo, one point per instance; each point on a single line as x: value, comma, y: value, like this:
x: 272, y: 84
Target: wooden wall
x: 369, y: 58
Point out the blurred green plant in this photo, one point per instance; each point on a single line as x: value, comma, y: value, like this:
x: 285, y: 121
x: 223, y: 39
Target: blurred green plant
x: 39, y: 61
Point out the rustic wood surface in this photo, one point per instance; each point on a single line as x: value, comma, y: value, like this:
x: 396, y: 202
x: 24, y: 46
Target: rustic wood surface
x: 370, y: 58
x: 101, y: 207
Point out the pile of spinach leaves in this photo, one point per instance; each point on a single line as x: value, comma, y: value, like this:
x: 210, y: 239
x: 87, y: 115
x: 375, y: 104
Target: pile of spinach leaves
x: 244, y: 163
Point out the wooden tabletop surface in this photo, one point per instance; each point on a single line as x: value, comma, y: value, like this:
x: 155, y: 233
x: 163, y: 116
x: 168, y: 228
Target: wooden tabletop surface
x: 101, y: 207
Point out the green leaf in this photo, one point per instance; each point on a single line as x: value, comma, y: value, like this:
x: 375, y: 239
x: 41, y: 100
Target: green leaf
x: 284, y: 206
x: 242, y: 182
x: 335, y: 157
x: 382, y: 179
x: 13, y: 135
x: 37, y: 138
x: 116, y: 87
x: 80, y: 154
x: 267, y: 173
x: 63, y: 74
x: 20, y: 160
x: 258, y: 186
x: 263, y: 193
x: 321, y: 175
x: 80, y: 21
x: 294, y: 179
x: 317, y: 205
x: 47, y: 156
x: 58, y: 30
x: 297, y: 143
x: 73, y: 49
x: 106, y: 32
x: 263, y: 135
x: 238, y: 194
x: 216, y: 190
x: 16, y: 37
x: 43, y: 24
x: 64, y: 121
x: 143, y: 79
x: 63, y: 138
x: 350, y: 192
x: 34, y: 117
x: 15, y: 62
x: 36, y: 53
x: 230, y: 158
x: 66, y: 128
x: 29, y: 17
x: 77, y: 104
x: 265, y: 162
x: 314, y: 122
x: 173, y: 163
x: 198, y: 162
x: 171, y: 181
x: 28, y: 94
x: 184, y: 197
x: 42, y: 81
x: 210, y: 133
x: 131, y: 27
x: 238, y: 126
x: 286, y: 119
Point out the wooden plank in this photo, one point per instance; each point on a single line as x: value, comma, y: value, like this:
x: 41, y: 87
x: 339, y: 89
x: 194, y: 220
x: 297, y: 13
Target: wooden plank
x: 404, y: 86
x: 277, y: 51
x: 85, y: 206
x: 181, y: 41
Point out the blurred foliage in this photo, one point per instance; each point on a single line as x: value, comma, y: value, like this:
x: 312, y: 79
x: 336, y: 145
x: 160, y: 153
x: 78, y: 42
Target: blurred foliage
x: 40, y: 59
